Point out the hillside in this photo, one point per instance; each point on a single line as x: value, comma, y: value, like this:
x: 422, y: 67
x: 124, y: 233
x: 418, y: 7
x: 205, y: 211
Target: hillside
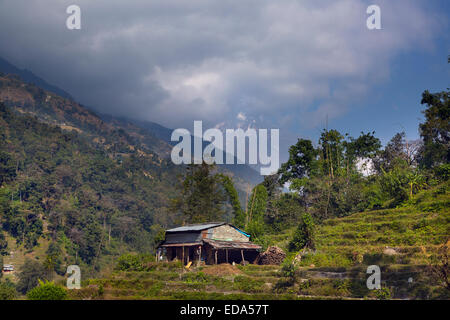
x: 118, y: 136
x: 58, y: 187
x: 401, y: 241
x: 70, y: 179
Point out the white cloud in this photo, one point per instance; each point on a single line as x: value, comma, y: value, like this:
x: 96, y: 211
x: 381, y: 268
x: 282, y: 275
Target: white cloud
x: 241, y: 116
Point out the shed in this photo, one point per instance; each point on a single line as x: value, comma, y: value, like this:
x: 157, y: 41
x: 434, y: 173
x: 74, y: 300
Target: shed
x: 8, y: 268
x: 214, y: 242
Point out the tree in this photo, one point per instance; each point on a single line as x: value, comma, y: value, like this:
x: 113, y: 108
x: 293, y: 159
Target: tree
x: 395, y: 183
x: 332, y: 144
x: 416, y: 182
x: 304, y: 236
x: 435, y: 131
x: 393, y: 153
x: 273, y: 188
x: 302, y: 161
x: 365, y: 146
x: 7, y: 167
x: 256, y: 209
x: 202, y: 197
x: 30, y: 272
x: 3, y: 244
x: 233, y: 198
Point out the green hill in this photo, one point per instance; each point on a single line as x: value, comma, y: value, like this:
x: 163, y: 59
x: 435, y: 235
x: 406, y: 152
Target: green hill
x: 94, y: 187
x: 401, y: 241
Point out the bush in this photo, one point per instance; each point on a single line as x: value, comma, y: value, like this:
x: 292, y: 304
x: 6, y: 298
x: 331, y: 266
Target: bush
x: 194, y: 277
x: 247, y: 284
x: 7, y: 291
x: 383, y: 294
x: 47, y: 291
x: 304, y: 235
x: 134, y: 262
x: 30, y: 272
x: 443, y: 172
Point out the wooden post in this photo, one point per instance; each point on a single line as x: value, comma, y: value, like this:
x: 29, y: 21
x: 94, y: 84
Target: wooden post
x: 200, y: 256
x: 242, y: 255
x: 215, y: 253
x: 188, y: 256
x: 226, y: 250
x: 182, y: 256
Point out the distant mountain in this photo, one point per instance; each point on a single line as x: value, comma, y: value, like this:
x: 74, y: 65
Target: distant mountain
x: 30, y: 77
x: 150, y: 134
x: 241, y: 171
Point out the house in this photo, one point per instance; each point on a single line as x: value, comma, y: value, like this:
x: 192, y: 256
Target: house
x: 213, y: 243
x: 8, y: 268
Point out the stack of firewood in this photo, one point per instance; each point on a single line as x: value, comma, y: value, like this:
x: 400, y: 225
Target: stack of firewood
x: 273, y: 255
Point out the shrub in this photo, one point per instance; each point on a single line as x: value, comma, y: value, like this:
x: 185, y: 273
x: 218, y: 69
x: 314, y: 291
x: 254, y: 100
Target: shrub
x: 383, y: 294
x: 47, y: 291
x: 134, y: 262
x: 30, y: 272
x: 194, y: 277
x: 247, y: 284
x: 304, y: 235
x: 442, y: 172
x: 7, y: 291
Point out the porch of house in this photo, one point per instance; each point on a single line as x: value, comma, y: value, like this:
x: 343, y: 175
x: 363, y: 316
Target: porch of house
x: 212, y: 252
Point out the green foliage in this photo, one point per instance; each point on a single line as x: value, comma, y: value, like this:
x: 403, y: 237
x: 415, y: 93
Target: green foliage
x: 30, y: 272
x: 302, y: 161
x: 383, y: 294
x: 76, y: 183
x: 304, y: 236
x: 195, y: 277
x: 53, y: 260
x: 286, y: 210
x: 233, y: 198
x: 435, y: 131
x: 395, y: 183
x: 288, y: 270
x: 134, y: 262
x: 7, y: 291
x: 257, y: 205
x: 442, y: 172
x: 3, y: 245
x: 247, y: 284
x: 201, y: 198
x: 7, y: 167
x: 47, y: 291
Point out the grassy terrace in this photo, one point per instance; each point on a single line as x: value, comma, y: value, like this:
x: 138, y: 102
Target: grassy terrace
x: 401, y: 241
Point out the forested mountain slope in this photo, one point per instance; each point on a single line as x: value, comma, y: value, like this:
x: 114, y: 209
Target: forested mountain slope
x: 85, y: 185
x: 56, y: 185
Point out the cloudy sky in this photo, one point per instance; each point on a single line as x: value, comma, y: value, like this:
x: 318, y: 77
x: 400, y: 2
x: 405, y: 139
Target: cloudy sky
x: 263, y: 63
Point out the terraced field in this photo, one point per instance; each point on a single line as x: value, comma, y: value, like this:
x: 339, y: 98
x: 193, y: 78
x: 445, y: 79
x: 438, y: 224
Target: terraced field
x: 401, y: 241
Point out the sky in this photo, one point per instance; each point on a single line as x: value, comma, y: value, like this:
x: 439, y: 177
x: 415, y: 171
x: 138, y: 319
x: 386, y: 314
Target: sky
x: 272, y: 64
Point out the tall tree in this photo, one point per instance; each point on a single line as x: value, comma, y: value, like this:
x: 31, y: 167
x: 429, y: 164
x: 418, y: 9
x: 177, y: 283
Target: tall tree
x: 435, y: 131
x: 233, y: 198
x: 302, y: 161
x: 202, y: 196
x: 257, y: 205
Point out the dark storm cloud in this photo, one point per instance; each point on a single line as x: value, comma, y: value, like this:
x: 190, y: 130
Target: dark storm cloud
x: 259, y: 63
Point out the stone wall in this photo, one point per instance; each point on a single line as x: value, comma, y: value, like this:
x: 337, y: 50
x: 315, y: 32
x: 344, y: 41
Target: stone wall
x: 226, y: 233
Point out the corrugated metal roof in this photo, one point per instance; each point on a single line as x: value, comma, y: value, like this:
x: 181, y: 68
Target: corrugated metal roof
x: 180, y: 244
x: 231, y: 244
x: 183, y: 237
x: 196, y: 227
